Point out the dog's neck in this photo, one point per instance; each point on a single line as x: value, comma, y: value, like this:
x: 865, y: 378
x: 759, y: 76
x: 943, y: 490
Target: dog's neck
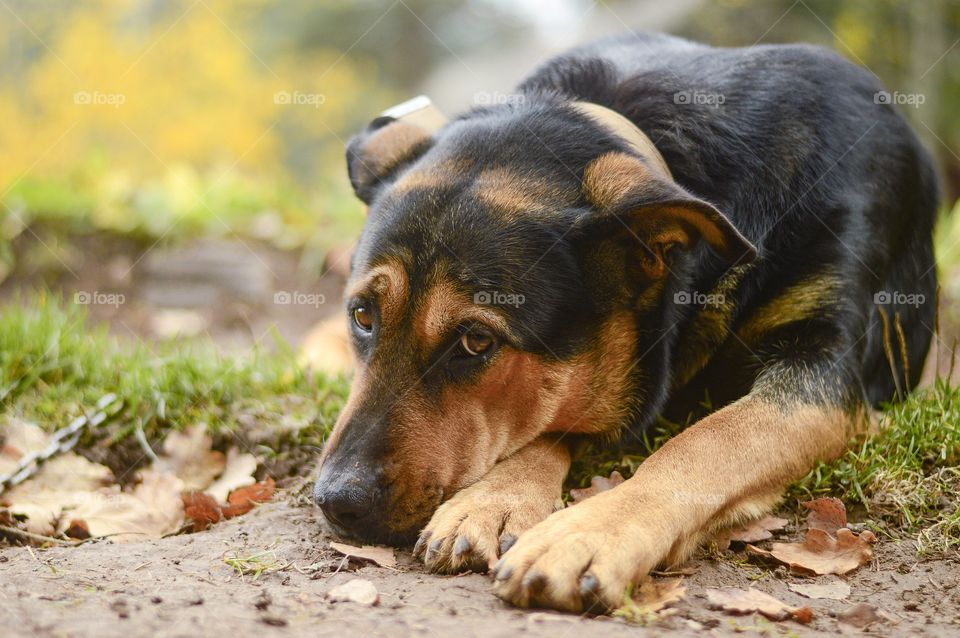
x: 629, y: 132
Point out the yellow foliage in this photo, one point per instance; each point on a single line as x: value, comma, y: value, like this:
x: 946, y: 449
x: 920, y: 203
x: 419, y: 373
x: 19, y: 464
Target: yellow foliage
x: 168, y: 99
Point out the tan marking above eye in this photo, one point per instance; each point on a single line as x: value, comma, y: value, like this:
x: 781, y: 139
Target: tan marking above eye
x: 444, y: 306
x: 387, y: 282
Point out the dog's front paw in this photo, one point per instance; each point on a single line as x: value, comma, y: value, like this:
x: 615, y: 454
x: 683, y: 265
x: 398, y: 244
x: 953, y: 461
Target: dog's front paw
x: 477, y: 525
x: 581, y: 559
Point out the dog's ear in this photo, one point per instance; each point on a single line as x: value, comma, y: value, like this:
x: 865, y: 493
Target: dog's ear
x: 395, y: 138
x: 637, y: 198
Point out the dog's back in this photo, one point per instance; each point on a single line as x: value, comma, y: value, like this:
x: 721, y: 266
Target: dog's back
x: 805, y: 154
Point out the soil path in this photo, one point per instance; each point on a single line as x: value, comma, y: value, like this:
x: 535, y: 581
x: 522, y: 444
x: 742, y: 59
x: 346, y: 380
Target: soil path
x: 181, y: 586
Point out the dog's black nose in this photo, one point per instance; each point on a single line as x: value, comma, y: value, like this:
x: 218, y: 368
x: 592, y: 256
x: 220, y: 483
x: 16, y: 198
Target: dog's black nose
x: 349, y: 501
x: 342, y: 507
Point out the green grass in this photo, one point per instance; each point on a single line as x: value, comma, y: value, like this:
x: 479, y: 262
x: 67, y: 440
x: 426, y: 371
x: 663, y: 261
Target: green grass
x: 55, y: 366
x: 256, y: 564
x: 907, y: 476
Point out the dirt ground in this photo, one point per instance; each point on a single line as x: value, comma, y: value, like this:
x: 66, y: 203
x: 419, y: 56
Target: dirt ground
x: 181, y: 586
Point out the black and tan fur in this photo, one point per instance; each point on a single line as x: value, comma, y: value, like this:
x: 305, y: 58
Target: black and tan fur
x: 788, y: 207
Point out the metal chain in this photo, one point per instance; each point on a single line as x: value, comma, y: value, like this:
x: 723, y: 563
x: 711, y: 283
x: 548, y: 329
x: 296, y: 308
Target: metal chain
x: 63, y: 440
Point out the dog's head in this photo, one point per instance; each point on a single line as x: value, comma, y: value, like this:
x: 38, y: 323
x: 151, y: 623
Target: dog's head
x: 496, y: 294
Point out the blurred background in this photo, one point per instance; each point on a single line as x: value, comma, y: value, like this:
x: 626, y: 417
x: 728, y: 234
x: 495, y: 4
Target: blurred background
x: 175, y: 166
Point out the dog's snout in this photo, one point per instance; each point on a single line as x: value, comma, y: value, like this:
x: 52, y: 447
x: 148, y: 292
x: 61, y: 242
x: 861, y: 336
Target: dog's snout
x: 343, y: 506
x: 349, y: 500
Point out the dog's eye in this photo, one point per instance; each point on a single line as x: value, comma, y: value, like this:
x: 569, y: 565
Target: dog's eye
x: 475, y: 343
x: 363, y: 317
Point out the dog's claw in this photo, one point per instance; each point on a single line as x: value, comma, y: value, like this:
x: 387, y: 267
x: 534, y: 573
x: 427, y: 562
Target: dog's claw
x: 432, y: 550
x: 590, y: 594
x: 461, y: 547
x: 506, y: 542
x: 534, y: 582
x: 421, y: 545
x: 589, y: 584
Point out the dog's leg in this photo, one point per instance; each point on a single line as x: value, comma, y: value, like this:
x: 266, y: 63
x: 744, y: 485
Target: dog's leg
x: 480, y: 522
x: 732, y: 465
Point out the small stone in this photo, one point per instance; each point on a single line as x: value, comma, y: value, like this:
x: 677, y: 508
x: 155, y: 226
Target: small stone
x: 357, y: 590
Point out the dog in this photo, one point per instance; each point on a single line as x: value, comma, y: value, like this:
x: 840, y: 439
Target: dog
x: 647, y: 222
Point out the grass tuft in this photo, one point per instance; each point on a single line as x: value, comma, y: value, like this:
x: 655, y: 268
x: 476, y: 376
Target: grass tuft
x: 905, y: 476
x: 54, y: 366
x: 256, y: 564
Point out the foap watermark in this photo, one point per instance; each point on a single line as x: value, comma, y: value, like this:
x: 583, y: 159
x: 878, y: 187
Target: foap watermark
x: 106, y: 500
x: 96, y: 98
x: 297, y: 298
x: 700, y: 98
x: 97, y: 298
x: 898, y: 298
x: 896, y: 97
x: 497, y: 298
x: 486, y: 98
x: 297, y: 98
x: 696, y: 298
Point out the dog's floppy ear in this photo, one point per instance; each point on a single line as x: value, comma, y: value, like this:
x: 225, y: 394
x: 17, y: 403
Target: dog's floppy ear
x: 636, y: 197
x: 396, y: 137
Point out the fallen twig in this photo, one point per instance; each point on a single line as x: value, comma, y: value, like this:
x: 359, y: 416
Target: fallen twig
x: 39, y: 538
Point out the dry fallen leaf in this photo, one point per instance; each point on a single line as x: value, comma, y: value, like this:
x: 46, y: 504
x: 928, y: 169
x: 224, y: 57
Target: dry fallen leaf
x: 237, y: 473
x: 62, y: 483
x: 68, y: 472
x: 653, y: 596
x: 597, y: 484
x: 20, y: 438
x: 827, y: 514
x: 357, y: 590
x: 71, y: 495
x: 382, y: 556
x: 187, y: 455
x: 242, y: 500
x: 739, y: 601
x: 837, y: 590
x: 863, y: 615
x: 78, y: 530
x: 201, y: 509
x: 162, y: 491
x: 752, y: 532
x: 820, y: 553
x: 151, y: 511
